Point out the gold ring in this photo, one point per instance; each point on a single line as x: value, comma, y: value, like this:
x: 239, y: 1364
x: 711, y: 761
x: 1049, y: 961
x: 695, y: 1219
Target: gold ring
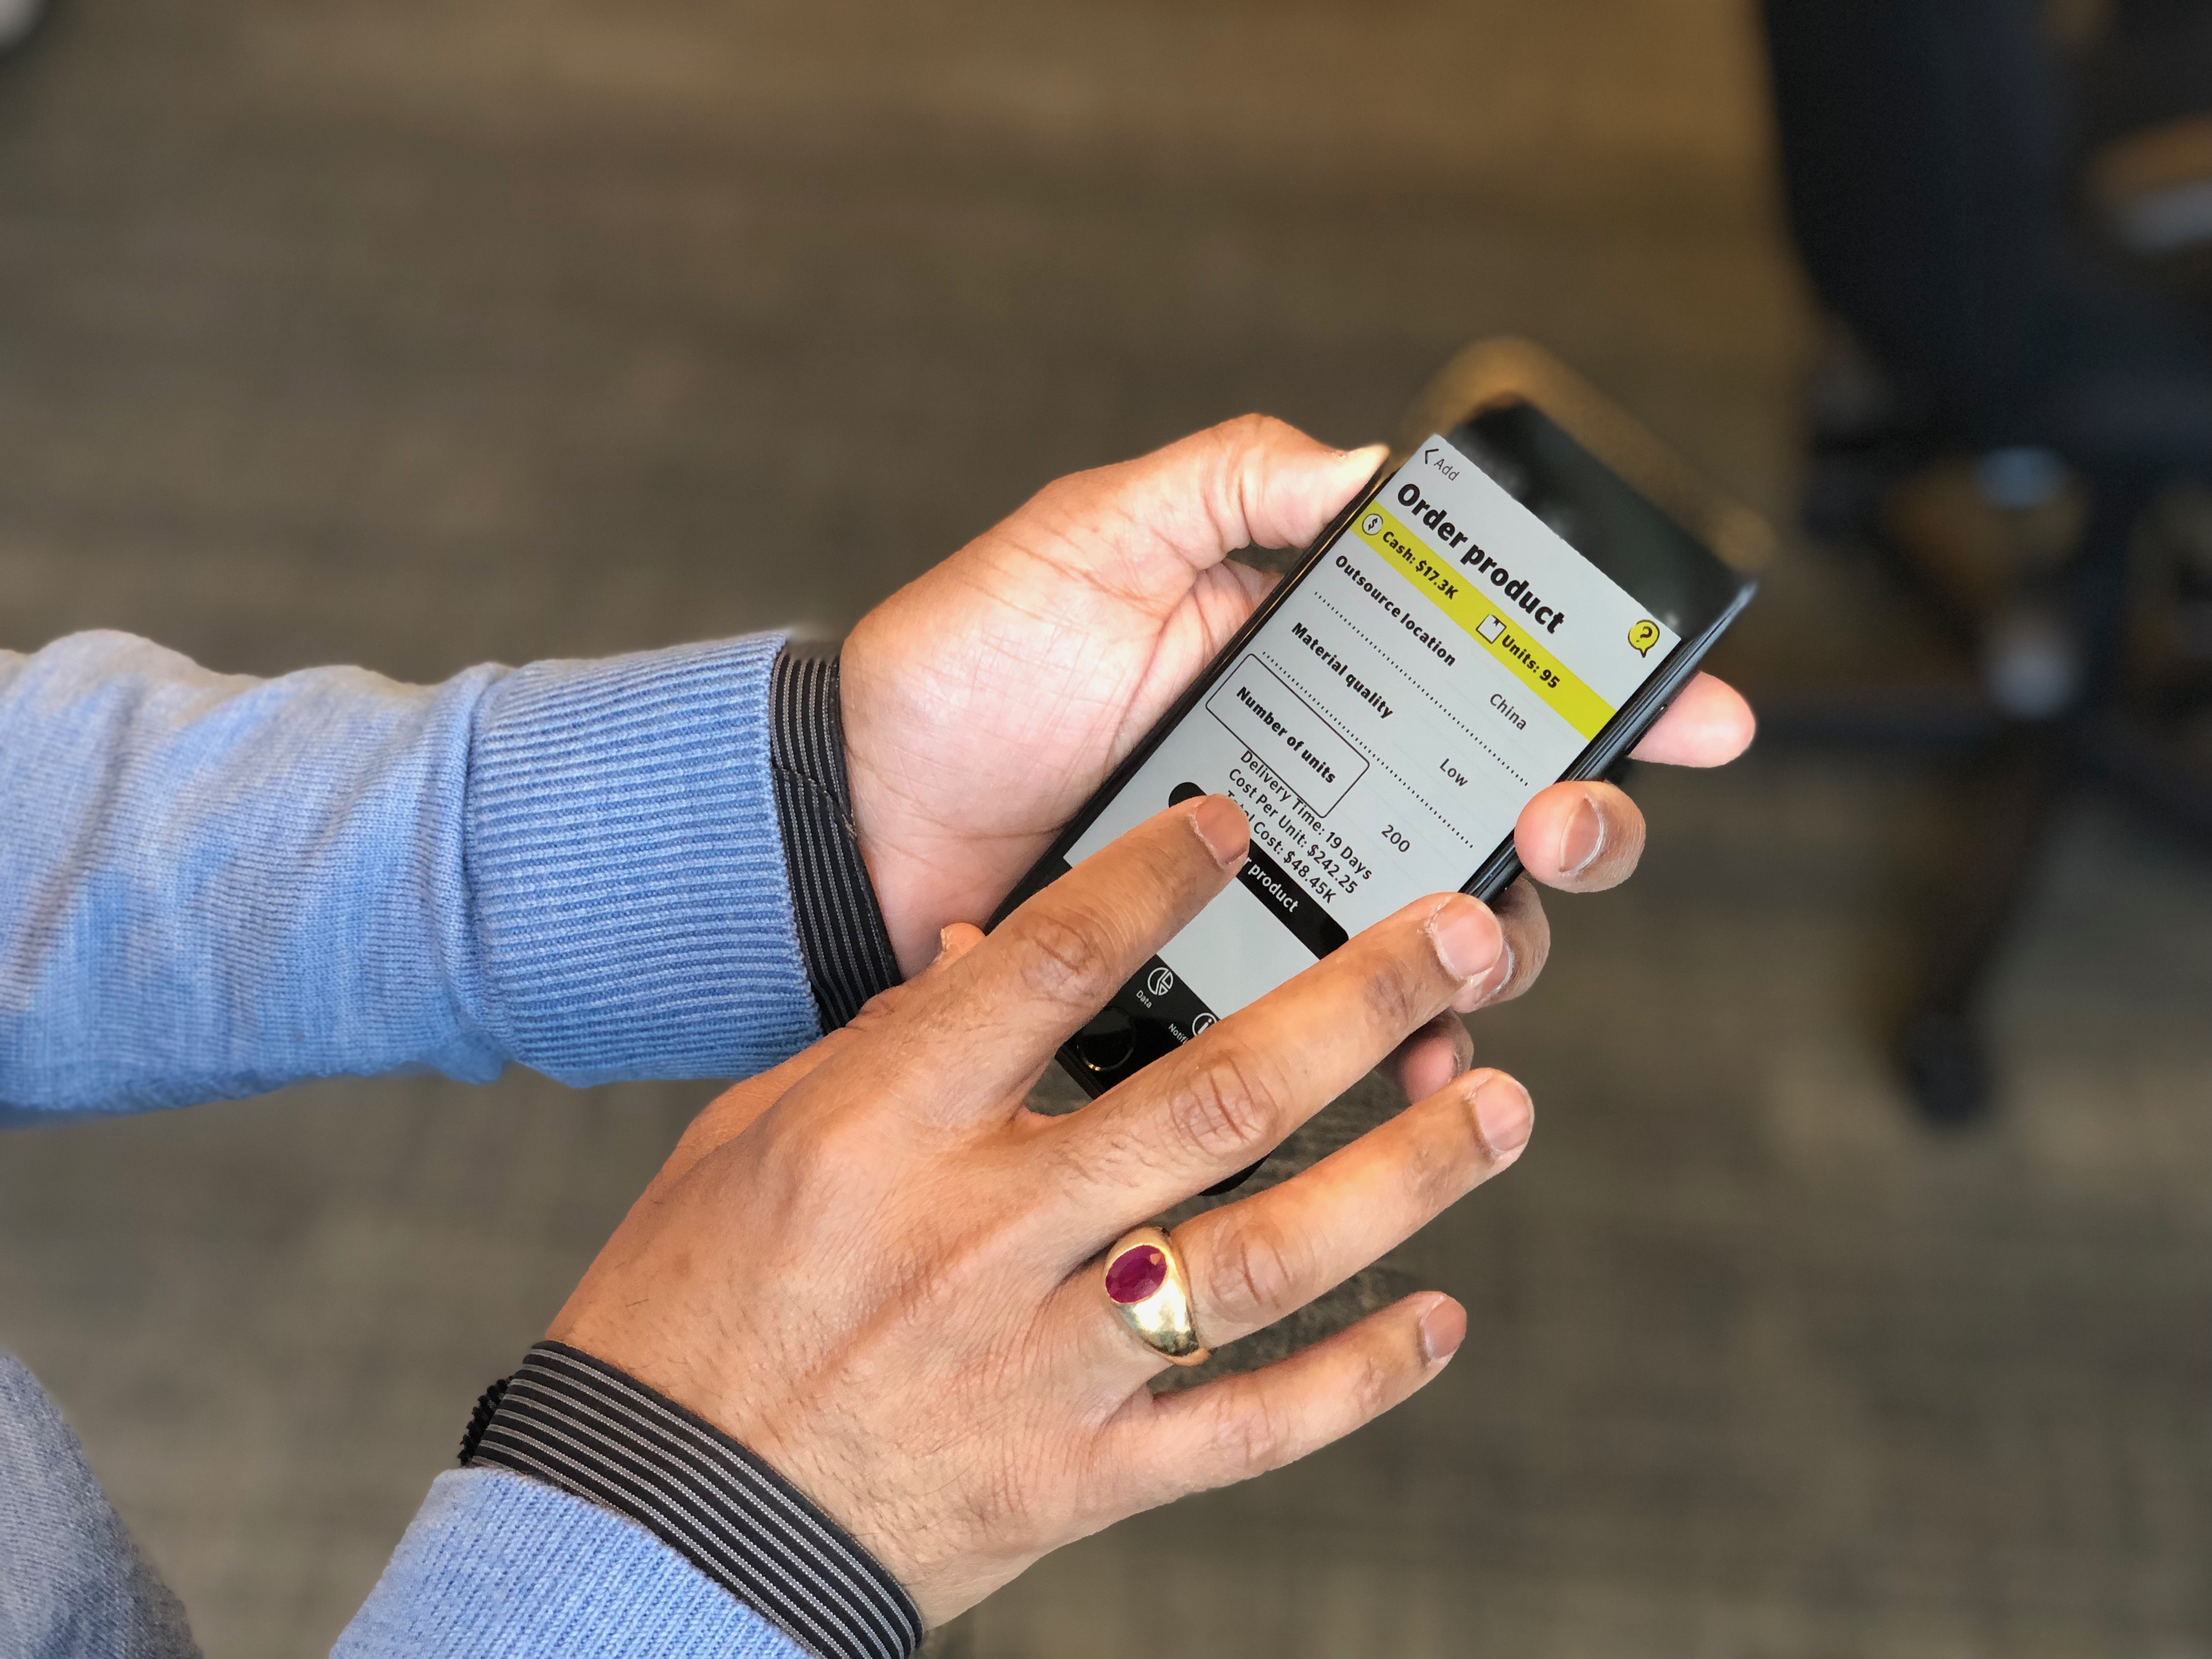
x: 1149, y: 1289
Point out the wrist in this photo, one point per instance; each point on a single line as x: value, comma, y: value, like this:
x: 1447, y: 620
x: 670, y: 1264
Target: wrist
x: 910, y: 922
x: 906, y: 886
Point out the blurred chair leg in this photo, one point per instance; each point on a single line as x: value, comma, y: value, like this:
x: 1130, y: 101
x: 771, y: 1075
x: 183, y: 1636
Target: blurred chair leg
x: 2023, y: 775
x: 1939, y: 1042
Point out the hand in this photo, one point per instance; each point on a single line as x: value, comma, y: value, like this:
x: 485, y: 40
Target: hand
x: 986, y: 702
x: 879, y: 1270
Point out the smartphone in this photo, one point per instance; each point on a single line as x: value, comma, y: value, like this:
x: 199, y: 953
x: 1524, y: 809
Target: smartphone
x: 1514, y: 599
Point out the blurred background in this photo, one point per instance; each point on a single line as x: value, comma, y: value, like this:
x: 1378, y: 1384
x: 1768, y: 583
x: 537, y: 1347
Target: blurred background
x: 1855, y: 1297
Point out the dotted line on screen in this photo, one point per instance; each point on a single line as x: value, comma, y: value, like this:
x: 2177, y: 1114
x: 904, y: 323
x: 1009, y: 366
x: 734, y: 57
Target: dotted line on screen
x: 1292, y: 682
x: 1444, y: 707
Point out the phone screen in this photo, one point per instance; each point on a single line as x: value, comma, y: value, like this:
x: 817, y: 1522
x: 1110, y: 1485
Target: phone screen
x: 1482, y: 619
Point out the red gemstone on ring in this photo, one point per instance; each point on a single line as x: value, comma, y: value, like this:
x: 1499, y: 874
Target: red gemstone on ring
x: 1137, y: 1273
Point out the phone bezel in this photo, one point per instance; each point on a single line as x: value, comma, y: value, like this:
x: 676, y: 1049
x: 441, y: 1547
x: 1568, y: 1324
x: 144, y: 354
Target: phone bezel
x: 1481, y: 377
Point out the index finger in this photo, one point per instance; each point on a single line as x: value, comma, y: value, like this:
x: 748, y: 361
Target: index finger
x: 982, y: 1028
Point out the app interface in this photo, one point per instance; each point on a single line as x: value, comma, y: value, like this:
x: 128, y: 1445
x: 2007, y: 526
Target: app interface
x: 1449, y: 656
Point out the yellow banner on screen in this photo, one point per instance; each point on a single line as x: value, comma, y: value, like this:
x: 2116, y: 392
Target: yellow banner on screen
x: 1494, y: 623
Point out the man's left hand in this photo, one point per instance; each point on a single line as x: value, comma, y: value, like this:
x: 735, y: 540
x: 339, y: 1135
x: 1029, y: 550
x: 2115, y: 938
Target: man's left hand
x: 987, y: 701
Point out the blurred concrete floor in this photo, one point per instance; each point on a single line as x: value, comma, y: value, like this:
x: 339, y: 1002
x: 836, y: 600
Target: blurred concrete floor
x: 415, y: 334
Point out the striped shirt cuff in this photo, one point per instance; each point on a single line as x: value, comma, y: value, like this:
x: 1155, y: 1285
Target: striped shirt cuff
x: 575, y: 1423
x: 841, y: 925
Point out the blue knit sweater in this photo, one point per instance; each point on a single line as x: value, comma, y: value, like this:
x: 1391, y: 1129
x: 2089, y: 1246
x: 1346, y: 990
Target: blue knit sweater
x: 212, y: 886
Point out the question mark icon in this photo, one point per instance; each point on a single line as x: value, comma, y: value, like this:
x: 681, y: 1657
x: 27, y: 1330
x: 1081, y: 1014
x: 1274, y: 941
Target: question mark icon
x: 1643, y: 637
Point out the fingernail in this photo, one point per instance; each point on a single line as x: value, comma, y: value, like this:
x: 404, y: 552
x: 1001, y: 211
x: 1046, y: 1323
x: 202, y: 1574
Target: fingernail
x: 944, y: 942
x: 1505, y: 1114
x: 1468, y: 939
x: 1444, y: 1327
x: 1495, y: 982
x: 1584, y: 838
x: 1223, y: 828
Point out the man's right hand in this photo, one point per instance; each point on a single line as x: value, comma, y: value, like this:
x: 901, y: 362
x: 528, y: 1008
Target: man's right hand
x: 879, y: 1270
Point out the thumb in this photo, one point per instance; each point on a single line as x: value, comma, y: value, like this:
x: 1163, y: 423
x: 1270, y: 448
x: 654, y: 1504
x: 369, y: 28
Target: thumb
x: 1254, y: 481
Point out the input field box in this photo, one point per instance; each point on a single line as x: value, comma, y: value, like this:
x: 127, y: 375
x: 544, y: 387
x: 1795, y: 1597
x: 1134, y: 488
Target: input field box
x: 1289, y: 734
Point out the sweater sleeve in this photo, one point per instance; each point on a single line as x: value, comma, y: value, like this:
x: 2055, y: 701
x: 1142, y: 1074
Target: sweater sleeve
x: 497, y: 1566
x: 212, y: 885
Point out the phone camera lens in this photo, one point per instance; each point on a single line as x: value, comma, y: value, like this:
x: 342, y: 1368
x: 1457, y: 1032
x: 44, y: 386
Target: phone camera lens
x: 1108, y: 1042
